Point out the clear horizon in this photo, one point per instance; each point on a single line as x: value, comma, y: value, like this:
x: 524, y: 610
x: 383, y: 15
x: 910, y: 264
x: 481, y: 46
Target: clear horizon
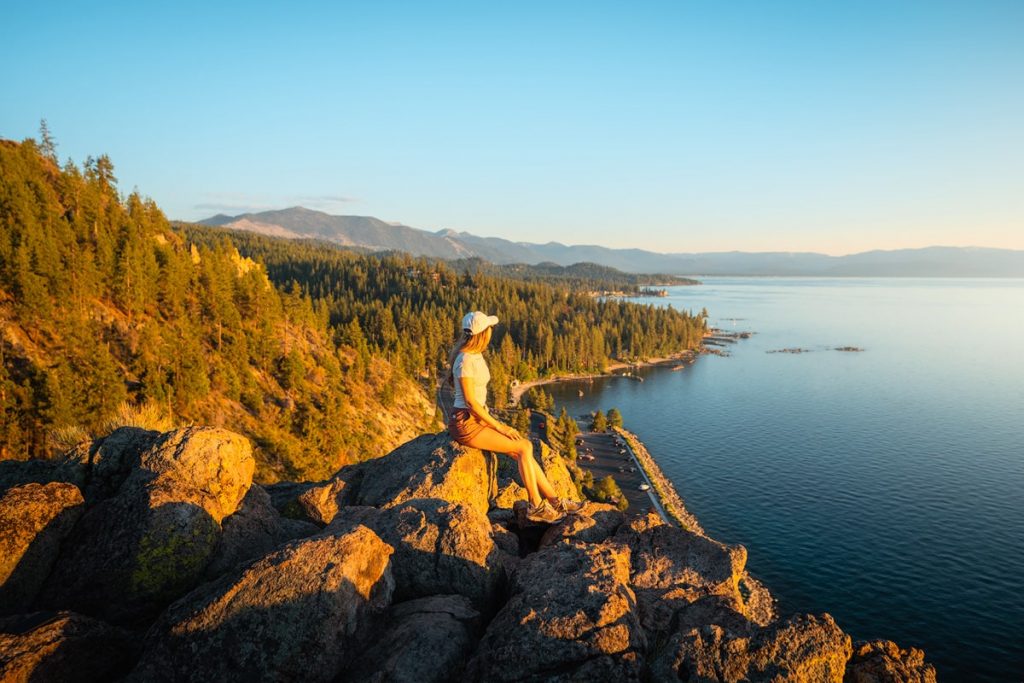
x: 590, y: 244
x: 669, y: 127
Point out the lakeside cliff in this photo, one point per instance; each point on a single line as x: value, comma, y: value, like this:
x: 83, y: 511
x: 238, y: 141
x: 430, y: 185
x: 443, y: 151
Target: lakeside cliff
x: 153, y: 556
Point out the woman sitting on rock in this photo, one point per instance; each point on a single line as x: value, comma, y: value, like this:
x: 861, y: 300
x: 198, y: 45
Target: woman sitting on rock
x: 472, y: 425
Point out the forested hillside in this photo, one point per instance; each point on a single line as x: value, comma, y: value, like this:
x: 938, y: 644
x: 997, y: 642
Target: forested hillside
x: 322, y: 356
x: 102, y: 304
x: 585, y: 276
x: 407, y: 310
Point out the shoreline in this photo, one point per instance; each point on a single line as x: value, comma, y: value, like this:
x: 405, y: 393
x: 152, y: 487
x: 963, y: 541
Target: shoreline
x: 662, y: 486
x: 682, y: 357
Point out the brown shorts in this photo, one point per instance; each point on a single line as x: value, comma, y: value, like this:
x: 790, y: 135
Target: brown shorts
x: 464, y: 425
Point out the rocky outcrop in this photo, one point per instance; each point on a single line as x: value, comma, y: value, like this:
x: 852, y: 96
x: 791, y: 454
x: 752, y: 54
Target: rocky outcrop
x: 571, y: 613
x: 131, y: 554
x: 802, y: 648
x: 883, y: 661
x: 62, y: 646
x: 296, y: 614
x: 439, y: 548
x: 34, y: 519
x: 410, y: 560
x: 557, y: 472
x: 437, y: 635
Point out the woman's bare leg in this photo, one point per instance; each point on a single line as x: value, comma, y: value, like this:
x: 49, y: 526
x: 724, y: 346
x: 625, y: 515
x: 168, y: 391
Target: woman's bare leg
x: 519, y: 449
x: 543, y: 485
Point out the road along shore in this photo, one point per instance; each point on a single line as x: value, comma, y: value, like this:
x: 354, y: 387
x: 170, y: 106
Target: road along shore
x: 667, y: 495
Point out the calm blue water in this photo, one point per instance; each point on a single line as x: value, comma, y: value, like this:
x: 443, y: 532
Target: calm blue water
x: 884, y: 487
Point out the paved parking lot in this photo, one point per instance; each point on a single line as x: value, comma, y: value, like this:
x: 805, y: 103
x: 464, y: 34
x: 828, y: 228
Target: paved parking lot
x: 608, y: 460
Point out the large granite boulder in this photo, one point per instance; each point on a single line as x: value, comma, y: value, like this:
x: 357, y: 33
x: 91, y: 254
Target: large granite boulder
x: 430, y: 466
x: 426, y: 640
x: 883, y: 661
x: 571, y: 616
x: 800, y: 649
x: 439, y: 548
x: 673, y: 568
x: 665, y: 556
x: 132, y: 554
x: 254, y: 530
x: 62, y: 646
x: 300, y: 613
x: 34, y: 519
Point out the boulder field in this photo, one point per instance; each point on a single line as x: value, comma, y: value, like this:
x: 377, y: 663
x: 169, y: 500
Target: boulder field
x: 154, y: 557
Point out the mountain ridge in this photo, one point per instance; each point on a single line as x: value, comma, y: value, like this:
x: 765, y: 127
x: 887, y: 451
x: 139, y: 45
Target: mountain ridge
x: 375, y: 234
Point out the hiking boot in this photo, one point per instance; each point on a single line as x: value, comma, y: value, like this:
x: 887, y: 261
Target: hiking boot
x: 544, y: 513
x: 568, y: 507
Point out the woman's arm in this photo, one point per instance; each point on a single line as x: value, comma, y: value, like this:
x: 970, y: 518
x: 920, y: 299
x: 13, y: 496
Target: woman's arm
x: 480, y: 412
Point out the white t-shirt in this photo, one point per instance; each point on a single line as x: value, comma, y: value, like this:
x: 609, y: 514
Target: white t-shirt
x: 471, y: 365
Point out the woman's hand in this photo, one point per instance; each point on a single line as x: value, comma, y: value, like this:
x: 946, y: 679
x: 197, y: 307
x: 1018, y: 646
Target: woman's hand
x: 510, y: 432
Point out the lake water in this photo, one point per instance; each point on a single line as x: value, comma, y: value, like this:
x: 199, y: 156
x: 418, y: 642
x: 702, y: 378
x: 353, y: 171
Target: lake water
x: 885, y: 487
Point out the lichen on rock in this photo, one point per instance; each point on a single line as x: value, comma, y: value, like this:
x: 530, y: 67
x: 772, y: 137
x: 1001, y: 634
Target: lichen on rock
x: 300, y: 613
x: 410, y: 559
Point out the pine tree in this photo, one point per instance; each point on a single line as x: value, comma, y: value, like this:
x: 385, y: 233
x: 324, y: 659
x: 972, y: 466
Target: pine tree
x: 47, y: 145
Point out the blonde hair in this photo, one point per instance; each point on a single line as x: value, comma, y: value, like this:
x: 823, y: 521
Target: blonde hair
x: 467, y: 343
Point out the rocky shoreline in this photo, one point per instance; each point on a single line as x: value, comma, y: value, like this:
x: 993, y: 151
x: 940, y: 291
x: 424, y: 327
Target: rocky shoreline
x: 146, y: 556
x: 679, y: 359
x: 714, y: 339
x: 670, y: 499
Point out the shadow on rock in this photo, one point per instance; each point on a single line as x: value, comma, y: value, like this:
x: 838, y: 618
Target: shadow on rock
x: 425, y: 640
x: 34, y: 520
x: 440, y: 548
x: 131, y: 554
x: 300, y: 613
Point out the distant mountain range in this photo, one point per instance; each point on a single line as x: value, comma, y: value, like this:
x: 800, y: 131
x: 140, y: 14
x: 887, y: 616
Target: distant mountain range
x: 375, y: 234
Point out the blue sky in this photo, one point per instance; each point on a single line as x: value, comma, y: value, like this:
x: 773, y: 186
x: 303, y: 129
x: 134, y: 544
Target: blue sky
x: 671, y: 126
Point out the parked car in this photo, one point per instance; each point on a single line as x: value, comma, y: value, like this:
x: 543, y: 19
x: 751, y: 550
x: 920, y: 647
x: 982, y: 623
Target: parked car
x: 643, y: 487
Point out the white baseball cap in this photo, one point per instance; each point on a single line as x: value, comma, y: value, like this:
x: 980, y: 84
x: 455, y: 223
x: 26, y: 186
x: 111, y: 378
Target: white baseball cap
x: 476, y: 322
